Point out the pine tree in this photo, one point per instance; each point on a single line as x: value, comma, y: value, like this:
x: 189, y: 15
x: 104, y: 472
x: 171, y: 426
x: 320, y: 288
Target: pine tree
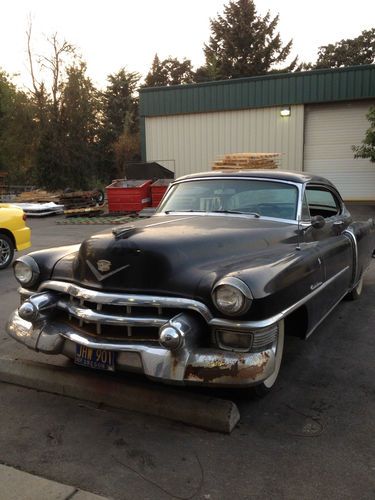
x: 243, y: 43
x: 170, y: 71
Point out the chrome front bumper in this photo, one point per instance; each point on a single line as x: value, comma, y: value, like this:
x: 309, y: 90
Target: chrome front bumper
x: 187, y: 365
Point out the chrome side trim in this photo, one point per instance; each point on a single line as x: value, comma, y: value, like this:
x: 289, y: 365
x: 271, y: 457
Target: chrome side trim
x: 324, y: 317
x: 314, y: 292
x: 91, y: 316
x: 283, y: 314
x: 350, y: 234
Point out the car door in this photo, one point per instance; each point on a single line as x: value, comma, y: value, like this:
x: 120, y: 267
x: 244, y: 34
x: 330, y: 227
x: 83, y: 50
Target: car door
x: 333, y: 246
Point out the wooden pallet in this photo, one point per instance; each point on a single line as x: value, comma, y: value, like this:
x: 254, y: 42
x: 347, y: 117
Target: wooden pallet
x: 246, y: 161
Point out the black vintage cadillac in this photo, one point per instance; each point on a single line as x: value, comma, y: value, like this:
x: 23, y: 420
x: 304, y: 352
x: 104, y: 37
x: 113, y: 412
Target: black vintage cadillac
x: 205, y: 290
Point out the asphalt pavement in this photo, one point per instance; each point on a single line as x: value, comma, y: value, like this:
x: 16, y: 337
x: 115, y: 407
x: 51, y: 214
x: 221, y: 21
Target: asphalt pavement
x: 311, y: 438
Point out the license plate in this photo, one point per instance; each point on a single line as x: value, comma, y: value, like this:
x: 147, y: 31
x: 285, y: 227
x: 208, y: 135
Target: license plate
x: 94, y: 358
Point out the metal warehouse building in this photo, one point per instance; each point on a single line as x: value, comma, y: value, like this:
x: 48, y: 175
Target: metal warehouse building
x: 186, y: 127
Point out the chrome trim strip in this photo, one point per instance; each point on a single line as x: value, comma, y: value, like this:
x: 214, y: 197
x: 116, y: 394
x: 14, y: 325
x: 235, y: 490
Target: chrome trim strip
x: 246, y: 325
x: 106, y: 345
x: 350, y: 234
x: 234, y: 177
x: 235, y: 282
x: 180, y: 303
x: 91, y: 316
x: 122, y: 299
x: 273, y: 319
x: 324, y: 317
x: 314, y: 292
x: 218, y: 214
x: 25, y: 293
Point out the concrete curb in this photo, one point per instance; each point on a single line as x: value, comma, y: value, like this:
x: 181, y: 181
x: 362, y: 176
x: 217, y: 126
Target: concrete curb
x: 193, y: 409
x: 16, y: 484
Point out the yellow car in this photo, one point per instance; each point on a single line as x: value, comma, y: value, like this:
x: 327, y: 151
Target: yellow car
x: 14, y: 234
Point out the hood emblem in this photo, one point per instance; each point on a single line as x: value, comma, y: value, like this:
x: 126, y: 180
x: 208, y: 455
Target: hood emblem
x: 104, y: 266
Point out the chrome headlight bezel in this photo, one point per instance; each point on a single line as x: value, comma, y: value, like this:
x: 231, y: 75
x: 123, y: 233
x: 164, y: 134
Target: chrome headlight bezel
x: 239, y: 290
x: 33, y: 268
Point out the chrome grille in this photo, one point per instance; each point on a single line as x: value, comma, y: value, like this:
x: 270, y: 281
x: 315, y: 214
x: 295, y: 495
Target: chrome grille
x: 264, y: 337
x: 115, y: 322
x: 122, y: 315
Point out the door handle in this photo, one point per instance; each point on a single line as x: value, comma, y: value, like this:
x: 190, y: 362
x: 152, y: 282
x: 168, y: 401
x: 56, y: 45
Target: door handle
x: 338, y: 223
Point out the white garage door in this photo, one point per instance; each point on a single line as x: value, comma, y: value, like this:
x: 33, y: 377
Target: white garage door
x: 330, y: 132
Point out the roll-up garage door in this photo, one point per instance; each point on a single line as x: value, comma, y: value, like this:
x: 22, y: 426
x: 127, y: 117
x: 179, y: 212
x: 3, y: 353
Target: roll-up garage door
x: 330, y: 132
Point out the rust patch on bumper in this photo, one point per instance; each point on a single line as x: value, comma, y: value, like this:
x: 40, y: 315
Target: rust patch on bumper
x: 221, y: 368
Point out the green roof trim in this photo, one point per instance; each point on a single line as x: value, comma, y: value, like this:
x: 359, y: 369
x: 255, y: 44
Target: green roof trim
x: 317, y: 86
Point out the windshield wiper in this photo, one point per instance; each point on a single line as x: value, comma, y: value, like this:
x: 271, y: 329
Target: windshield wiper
x: 255, y: 214
x: 191, y: 210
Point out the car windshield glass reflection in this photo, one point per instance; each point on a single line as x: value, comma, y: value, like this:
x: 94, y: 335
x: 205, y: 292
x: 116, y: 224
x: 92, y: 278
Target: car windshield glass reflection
x: 255, y: 197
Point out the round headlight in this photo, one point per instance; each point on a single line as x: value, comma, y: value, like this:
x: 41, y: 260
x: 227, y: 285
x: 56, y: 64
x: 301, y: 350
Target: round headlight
x: 26, y: 271
x: 231, y: 296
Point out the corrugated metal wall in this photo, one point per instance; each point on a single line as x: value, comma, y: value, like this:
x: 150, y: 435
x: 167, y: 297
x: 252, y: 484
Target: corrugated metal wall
x: 190, y: 143
x: 318, y: 86
x: 330, y: 131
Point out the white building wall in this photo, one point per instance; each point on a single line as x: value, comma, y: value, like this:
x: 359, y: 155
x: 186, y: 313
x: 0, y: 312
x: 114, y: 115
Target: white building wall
x: 192, y: 142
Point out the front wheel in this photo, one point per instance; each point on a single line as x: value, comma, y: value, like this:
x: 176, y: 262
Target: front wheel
x: 265, y: 387
x: 6, y: 251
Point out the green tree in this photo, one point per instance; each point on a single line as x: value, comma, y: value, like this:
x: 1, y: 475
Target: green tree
x: 170, y: 71
x: 367, y: 149
x: 17, y: 132
x: 243, y: 43
x: 348, y: 52
x: 120, y: 104
x: 79, y: 122
x: 120, y: 124
x: 67, y: 112
x: 67, y: 150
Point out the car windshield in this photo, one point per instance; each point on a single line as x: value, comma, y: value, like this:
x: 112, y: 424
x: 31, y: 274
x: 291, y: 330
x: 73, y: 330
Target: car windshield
x: 245, y: 196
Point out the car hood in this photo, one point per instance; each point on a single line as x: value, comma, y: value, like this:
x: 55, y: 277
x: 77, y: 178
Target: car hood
x: 175, y: 255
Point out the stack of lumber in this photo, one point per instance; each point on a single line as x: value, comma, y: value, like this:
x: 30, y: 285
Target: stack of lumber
x: 38, y: 196
x: 247, y: 161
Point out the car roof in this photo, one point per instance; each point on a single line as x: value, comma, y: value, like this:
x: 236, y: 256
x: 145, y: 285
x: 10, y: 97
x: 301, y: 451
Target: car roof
x: 283, y: 175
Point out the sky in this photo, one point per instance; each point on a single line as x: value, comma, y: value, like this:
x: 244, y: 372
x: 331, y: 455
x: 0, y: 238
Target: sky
x: 112, y: 34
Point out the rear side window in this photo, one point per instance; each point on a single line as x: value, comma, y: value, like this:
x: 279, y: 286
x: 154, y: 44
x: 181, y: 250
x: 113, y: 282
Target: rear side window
x: 322, y: 202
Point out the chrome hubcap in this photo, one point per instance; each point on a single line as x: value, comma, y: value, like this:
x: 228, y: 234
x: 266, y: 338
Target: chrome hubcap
x: 4, y: 252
